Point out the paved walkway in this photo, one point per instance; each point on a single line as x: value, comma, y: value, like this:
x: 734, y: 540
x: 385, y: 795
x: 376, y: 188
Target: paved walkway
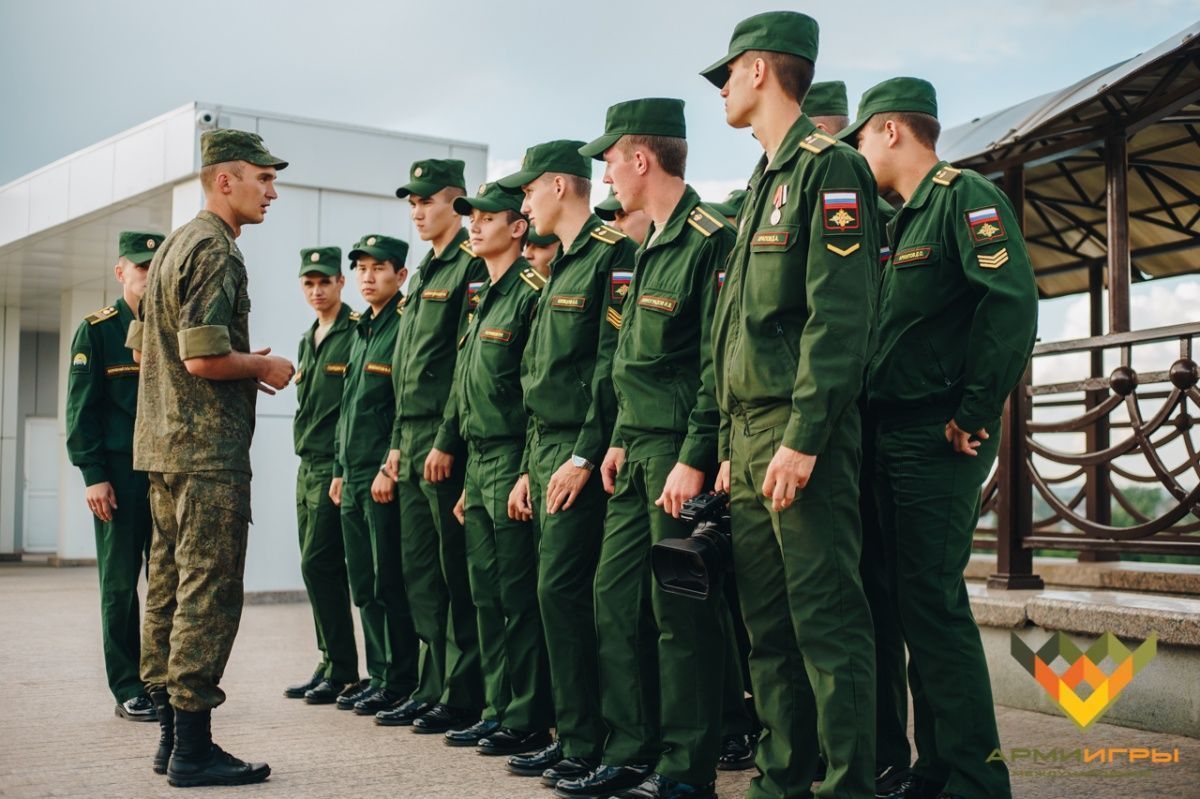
x: 59, y: 737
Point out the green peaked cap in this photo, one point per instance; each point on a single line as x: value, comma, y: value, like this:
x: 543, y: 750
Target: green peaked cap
x: 775, y: 31
x: 382, y: 248
x: 607, y: 208
x: 540, y: 241
x: 322, y: 260
x: 652, y: 116
x: 139, y: 246
x: 219, y: 146
x: 912, y: 95
x: 489, y: 197
x: 428, y: 177
x: 827, y: 99
x: 560, y: 155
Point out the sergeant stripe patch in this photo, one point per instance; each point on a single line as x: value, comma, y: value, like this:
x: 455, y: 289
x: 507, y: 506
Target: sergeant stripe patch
x: 995, y: 260
x: 613, y: 317
x: 843, y: 251
x: 122, y: 370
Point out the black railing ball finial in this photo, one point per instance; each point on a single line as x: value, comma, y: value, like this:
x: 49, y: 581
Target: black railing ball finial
x: 1184, y: 374
x: 1123, y: 380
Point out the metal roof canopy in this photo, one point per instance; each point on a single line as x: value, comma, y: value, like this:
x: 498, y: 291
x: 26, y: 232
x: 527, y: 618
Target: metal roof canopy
x: 1113, y: 157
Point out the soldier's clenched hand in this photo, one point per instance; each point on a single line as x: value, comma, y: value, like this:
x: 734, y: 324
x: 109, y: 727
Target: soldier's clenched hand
x: 460, y: 508
x: 614, y: 459
x: 788, y: 472
x: 683, y: 483
x: 335, y: 491
x: 383, y: 488
x: 520, y: 507
x: 722, y: 483
x: 438, y: 465
x: 391, y: 466
x: 274, y: 372
x: 564, y: 487
x: 101, y: 500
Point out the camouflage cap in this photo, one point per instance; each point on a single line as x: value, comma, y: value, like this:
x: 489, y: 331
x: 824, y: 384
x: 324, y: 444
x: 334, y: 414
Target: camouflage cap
x: 219, y: 146
x: 827, y: 99
x: 732, y: 204
x: 607, y: 208
x: 912, y: 95
x: 428, y: 177
x: 322, y: 260
x: 560, y: 155
x: 652, y: 116
x: 138, y: 246
x: 774, y: 31
x: 490, y: 197
x: 533, y: 238
x: 382, y: 248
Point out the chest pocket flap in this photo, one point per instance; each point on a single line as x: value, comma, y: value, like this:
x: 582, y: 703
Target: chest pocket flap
x: 777, y: 238
x: 917, y: 255
x: 660, y: 301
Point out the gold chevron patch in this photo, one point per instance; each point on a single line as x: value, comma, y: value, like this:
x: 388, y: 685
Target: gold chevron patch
x: 995, y: 260
x: 614, y: 318
x: 840, y: 251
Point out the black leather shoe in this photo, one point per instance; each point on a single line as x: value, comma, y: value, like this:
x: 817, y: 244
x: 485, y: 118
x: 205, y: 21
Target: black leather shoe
x: 140, y: 708
x: 298, y: 691
x: 822, y: 770
x: 604, y: 781
x: 354, y: 692
x: 569, y: 768
x: 737, y: 752
x: 507, y: 741
x: 166, y: 730
x: 442, y: 718
x: 381, y: 699
x: 911, y: 787
x: 888, y: 779
x: 403, y: 714
x: 532, y: 765
x: 656, y: 786
x: 944, y: 795
x: 326, y: 693
x: 469, y: 736
x: 198, y: 761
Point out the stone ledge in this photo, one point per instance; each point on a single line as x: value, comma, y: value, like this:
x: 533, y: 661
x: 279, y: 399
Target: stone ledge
x: 1155, y: 578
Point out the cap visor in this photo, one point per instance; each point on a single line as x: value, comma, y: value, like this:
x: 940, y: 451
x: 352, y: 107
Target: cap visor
x: 849, y: 133
x: 595, y: 149
x: 375, y: 252
x: 420, y: 188
x: 271, y: 160
x: 519, y: 179
x: 718, y: 73
x: 140, y: 258
x: 605, y: 214
x: 320, y: 269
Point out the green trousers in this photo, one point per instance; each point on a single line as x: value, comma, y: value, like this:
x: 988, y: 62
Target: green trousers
x: 122, y: 547
x: 371, y: 534
x: 662, y: 656
x: 568, y: 550
x: 194, y: 594
x: 502, y: 562
x: 737, y: 715
x: 435, y: 573
x: 812, y: 655
x: 323, y: 567
x: 928, y: 499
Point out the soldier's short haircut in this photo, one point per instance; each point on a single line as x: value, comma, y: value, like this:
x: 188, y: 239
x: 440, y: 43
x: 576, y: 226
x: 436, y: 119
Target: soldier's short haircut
x: 923, y: 127
x: 671, y: 151
x: 577, y: 186
x: 453, y: 192
x: 834, y: 124
x: 208, y: 174
x: 794, y: 73
x: 512, y: 217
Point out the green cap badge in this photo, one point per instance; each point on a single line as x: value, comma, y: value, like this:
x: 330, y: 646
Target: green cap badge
x: 219, y: 146
x: 607, y: 208
x: 138, y: 245
x: 775, y: 31
x: 654, y: 116
x: 561, y: 155
x: 322, y: 260
x: 382, y: 248
x: 490, y: 197
x: 732, y: 204
x: 912, y: 95
x: 428, y: 177
x: 827, y: 99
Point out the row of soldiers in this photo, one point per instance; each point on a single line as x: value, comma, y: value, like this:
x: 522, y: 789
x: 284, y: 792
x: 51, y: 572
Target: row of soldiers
x: 487, y: 458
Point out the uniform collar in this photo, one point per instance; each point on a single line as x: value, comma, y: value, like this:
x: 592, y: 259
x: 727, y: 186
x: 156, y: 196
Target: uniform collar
x: 452, y: 249
x: 213, y: 219
x: 921, y: 194
x: 341, y: 323
x: 581, y: 240
x: 801, y: 129
x: 370, y: 319
x: 675, y: 222
x: 512, y: 273
x: 124, y: 313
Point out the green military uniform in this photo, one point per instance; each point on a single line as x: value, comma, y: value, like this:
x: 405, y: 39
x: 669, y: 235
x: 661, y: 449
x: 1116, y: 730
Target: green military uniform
x: 433, y: 317
x: 102, y: 387
x: 959, y: 291
x: 568, y: 394
x: 320, y: 374
x: 652, y: 673
x: 370, y: 530
x: 486, y: 412
x: 790, y: 343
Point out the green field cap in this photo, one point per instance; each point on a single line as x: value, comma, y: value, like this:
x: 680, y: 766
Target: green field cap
x: 382, y: 248
x: 539, y: 241
x: 322, y: 260
x: 139, y: 246
x: 490, y: 197
x: 653, y: 116
x: 776, y: 31
x: 732, y: 204
x: 219, y: 146
x: 560, y: 155
x: 607, y: 208
x: 912, y: 95
x: 428, y: 177
x: 827, y: 99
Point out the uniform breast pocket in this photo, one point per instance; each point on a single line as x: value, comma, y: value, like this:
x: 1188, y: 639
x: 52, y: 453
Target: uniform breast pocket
x: 666, y: 302
x: 773, y: 279
x: 922, y: 255
x: 572, y: 303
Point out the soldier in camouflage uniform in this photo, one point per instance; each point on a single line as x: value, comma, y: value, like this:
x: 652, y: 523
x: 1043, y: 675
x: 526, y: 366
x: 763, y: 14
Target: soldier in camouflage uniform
x: 101, y: 405
x: 195, y: 418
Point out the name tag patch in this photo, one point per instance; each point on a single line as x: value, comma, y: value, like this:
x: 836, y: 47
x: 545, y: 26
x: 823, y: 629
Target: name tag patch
x: 661, y: 304
x: 912, y: 255
x: 496, y: 334
x: 771, y: 238
x: 123, y: 370
x: 569, y: 302
x: 335, y: 368
x: 985, y: 226
x: 377, y: 368
x: 437, y: 295
x: 839, y: 210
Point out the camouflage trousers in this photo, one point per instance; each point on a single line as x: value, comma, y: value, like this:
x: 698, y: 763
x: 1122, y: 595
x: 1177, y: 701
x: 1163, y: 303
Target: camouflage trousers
x: 194, y: 597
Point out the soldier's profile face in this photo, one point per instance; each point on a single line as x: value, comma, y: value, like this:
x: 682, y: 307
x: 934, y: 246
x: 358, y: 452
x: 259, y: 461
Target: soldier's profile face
x: 322, y: 292
x: 621, y: 173
x: 873, y: 144
x: 541, y: 204
x: 492, y: 233
x: 252, y: 193
x: 738, y: 91
x: 433, y: 216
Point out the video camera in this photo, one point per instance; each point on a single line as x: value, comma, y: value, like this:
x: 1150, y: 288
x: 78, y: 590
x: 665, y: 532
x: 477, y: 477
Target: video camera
x: 693, y: 566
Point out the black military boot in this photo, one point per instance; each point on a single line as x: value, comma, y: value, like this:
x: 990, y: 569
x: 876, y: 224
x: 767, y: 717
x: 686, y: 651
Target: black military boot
x: 198, y: 761
x: 166, y: 730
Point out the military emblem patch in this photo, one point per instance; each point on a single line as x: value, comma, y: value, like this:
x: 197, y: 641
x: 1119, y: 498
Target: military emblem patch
x: 80, y: 360
x: 473, y: 288
x: 720, y: 280
x: 839, y: 210
x: 985, y: 226
x: 885, y: 253
x: 619, y: 284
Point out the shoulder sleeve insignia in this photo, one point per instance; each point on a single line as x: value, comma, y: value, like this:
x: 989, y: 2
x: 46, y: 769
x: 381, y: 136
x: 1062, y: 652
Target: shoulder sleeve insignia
x: 467, y: 249
x: 817, y: 142
x: 473, y: 287
x: 79, y: 361
x: 705, y: 221
x: 608, y: 235
x: 946, y: 175
x: 619, y: 284
x: 839, y: 209
x: 102, y: 314
x: 533, y: 278
x: 985, y: 226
